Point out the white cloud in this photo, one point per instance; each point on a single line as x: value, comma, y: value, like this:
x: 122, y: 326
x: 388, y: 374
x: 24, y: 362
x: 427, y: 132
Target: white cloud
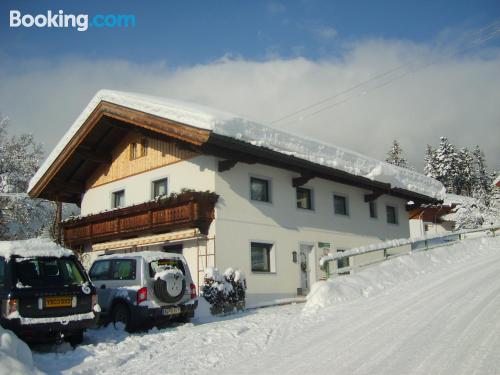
x: 454, y: 97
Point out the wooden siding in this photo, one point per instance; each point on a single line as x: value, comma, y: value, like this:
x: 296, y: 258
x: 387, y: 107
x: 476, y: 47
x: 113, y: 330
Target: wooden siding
x: 159, y: 153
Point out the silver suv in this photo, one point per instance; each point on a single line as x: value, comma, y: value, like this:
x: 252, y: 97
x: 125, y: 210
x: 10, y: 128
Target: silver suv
x: 144, y: 287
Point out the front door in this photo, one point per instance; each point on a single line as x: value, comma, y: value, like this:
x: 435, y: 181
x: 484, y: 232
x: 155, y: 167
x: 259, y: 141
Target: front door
x: 306, y: 251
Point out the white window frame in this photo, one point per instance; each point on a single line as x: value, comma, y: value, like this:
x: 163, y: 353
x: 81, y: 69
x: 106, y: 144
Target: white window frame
x: 396, y: 214
x: 313, y: 206
x: 157, y: 180
x: 272, y: 257
x: 112, y: 196
x: 376, y: 210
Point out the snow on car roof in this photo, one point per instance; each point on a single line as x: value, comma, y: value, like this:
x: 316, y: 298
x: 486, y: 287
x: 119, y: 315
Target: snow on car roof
x: 148, y: 256
x: 34, y: 247
x: 235, y: 127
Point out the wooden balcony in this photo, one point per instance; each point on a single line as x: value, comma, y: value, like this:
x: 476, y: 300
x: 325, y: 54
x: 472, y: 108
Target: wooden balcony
x: 184, y: 211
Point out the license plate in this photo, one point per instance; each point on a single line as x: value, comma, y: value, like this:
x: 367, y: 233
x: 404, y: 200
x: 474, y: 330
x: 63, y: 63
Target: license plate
x: 171, y: 311
x: 58, y: 301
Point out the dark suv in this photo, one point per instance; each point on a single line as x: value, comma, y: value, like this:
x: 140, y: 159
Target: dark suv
x: 46, y: 297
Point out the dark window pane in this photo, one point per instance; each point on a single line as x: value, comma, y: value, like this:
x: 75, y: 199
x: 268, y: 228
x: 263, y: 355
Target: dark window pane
x: 373, y: 209
x: 344, y: 262
x: 133, y: 151
x: 304, y: 198
x: 2, y: 272
x: 261, y: 257
x: 160, y: 264
x: 391, y: 215
x: 259, y: 189
x: 340, y: 205
x: 101, y: 270
x: 144, y: 147
x: 38, y: 272
x: 124, y: 269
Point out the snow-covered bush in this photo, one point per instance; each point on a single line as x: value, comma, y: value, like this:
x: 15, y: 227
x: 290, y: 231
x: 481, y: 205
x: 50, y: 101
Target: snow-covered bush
x: 226, y: 292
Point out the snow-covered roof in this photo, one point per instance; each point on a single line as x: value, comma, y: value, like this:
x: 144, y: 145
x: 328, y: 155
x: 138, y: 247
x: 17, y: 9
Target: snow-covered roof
x: 32, y: 248
x: 148, y: 256
x: 233, y: 126
x: 454, y: 199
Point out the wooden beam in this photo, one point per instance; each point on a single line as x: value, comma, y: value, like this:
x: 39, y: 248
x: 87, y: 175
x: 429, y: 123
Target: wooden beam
x: 371, y: 197
x: 302, y: 180
x: 225, y: 165
x: 95, y: 156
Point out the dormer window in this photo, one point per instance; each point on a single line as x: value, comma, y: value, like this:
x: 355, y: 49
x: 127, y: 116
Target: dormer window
x: 133, y: 151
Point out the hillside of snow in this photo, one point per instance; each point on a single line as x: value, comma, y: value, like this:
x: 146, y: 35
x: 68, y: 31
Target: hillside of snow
x: 432, y: 312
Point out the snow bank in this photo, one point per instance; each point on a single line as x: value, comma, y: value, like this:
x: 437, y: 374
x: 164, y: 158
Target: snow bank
x: 33, y: 247
x: 392, y: 272
x: 15, y: 355
x: 256, y: 134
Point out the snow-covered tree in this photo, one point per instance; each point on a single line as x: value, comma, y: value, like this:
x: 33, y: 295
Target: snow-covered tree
x: 483, y: 184
x: 464, y: 178
x: 395, y: 155
x: 20, y: 216
x: 430, y: 167
x: 446, y: 164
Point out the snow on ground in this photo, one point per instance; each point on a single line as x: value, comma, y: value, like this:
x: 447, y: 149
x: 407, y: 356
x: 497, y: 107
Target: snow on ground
x: 15, y: 355
x: 430, y: 312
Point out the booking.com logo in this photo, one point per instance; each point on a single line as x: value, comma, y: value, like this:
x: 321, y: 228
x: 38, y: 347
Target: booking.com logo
x: 81, y: 22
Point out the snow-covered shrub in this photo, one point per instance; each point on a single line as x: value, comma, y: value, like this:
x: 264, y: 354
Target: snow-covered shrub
x: 226, y: 292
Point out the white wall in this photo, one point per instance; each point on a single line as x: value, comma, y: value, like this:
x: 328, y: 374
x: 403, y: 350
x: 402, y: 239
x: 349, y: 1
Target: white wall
x: 240, y: 221
x: 196, y: 173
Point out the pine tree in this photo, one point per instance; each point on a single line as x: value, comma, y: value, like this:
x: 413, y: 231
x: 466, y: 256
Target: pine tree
x: 395, y: 156
x: 446, y: 164
x: 482, y: 188
x: 464, y: 179
x: 430, y: 168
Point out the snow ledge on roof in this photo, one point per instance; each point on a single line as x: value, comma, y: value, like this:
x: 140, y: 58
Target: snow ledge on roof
x: 256, y: 134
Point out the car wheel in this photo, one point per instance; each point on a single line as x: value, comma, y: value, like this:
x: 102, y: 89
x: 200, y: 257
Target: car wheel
x: 121, y: 314
x: 76, y: 338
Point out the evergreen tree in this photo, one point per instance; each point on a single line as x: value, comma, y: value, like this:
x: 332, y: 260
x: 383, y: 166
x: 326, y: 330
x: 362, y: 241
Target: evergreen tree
x: 446, y: 164
x: 430, y: 168
x: 395, y: 156
x: 482, y: 188
x: 464, y: 179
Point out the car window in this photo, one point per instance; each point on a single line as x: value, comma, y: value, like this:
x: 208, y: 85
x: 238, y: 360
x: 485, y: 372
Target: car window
x: 2, y: 272
x: 165, y: 263
x: 37, y: 272
x: 101, y: 270
x: 124, y: 269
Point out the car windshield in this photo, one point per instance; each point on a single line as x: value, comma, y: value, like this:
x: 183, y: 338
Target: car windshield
x: 165, y: 263
x: 37, y: 272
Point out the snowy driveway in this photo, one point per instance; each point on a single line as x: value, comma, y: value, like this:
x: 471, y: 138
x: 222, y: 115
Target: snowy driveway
x: 446, y: 320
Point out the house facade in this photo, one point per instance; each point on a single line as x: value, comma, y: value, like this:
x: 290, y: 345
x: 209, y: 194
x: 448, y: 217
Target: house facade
x: 150, y: 174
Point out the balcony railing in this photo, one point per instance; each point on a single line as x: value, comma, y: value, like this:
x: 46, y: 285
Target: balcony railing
x: 185, y: 211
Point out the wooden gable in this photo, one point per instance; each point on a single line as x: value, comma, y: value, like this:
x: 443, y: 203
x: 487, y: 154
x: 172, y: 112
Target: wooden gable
x: 135, y: 154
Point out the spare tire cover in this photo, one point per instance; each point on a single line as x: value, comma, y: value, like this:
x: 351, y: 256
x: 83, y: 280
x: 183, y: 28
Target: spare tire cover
x: 170, y: 288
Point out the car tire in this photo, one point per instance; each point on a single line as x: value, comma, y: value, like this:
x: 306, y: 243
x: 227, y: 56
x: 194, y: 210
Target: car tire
x: 76, y: 338
x: 121, y: 314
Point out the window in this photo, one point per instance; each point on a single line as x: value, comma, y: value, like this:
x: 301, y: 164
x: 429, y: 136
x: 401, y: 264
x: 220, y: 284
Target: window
x: 165, y: 264
x: 160, y: 187
x: 133, y: 151
x: 176, y: 249
x: 340, y: 205
x: 118, y: 199
x: 304, y: 198
x: 259, y: 189
x: 373, y: 209
x: 392, y: 217
x: 2, y: 272
x: 101, y: 270
x: 123, y: 269
x: 39, y: 272
x: 426, y: 227
x: 261, y: 257
x: 144, y: 147
x: 344, y: 262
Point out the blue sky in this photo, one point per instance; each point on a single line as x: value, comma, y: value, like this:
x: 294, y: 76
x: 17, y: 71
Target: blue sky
x: 266, y: 59
x: 194, y: 32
